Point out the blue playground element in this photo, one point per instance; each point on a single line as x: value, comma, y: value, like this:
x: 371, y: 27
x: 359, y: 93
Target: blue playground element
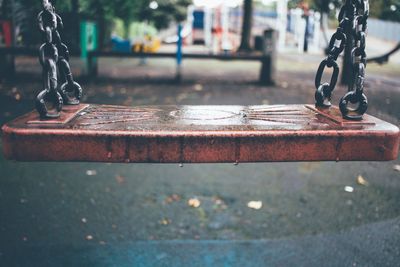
x: 120, y: 45
x: 198, y: 19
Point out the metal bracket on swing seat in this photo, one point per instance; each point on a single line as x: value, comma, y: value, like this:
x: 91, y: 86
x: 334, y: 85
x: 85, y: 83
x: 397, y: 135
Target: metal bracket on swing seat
x: 67, y: 114
x: 199, y: 134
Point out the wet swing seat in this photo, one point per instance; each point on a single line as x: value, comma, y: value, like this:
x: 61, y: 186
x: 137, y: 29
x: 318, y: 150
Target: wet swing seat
x: 199, y: 134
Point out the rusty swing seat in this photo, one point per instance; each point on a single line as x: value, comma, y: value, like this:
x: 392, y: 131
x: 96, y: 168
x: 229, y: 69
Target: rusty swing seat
x: 202, y: 134
x: 199, y: 134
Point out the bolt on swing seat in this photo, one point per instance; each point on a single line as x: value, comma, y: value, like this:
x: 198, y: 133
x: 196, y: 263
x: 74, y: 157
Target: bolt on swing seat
x: 200, y: 134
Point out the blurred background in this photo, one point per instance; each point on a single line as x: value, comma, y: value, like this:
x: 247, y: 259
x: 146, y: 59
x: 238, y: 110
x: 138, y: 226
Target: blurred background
x: 270, y: 214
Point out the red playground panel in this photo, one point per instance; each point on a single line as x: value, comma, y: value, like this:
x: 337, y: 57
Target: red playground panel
x: 5, y: 33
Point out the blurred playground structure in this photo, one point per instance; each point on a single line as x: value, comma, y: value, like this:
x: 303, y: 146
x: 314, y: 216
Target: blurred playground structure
x: 142, y: 37
x: 211, y: 27
x: 217, y: 24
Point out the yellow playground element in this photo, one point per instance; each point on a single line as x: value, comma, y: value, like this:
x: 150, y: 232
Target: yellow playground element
x: 148, y: 45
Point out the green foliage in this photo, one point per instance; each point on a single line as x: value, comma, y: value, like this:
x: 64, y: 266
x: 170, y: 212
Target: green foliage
x: 320, y: 5
x: 24, y: 12
x: 382, y: 9
x: 386, y: 9
x: 167, y: 11
x: 140, y: 29
x: 118, y: 28
x: 139, y: 10
x: 323, y: 5
x: 136, y: 29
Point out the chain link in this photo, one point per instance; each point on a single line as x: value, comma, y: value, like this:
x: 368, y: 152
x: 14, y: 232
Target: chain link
x: 352, y: 18
x: 54, y: 59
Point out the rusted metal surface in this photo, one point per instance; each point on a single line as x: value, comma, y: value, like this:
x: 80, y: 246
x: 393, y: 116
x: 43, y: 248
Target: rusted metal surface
x: 200, y: 134
x: 335, y: 115
x: 67, y: 115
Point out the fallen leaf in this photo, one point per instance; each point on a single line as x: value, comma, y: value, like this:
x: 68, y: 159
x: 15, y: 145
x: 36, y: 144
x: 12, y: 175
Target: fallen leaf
x: 194, y: 203
x: 91, y: 172
x: 362, y: 181
x: 168, y: 200
x: 172, y: 198
x: 176, y: 197
x: 120, y: 179
x: 165, y: 221
x: 198, y: 87
x: 255, y: 205
x: 396, y: 168
x: 349, y: 189
x: 218, y: 201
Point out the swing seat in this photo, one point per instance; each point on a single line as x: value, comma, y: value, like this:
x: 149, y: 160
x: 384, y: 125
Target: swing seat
x: 199, y: 134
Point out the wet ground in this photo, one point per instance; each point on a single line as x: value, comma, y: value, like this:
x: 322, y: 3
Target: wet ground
x: 312, y: 214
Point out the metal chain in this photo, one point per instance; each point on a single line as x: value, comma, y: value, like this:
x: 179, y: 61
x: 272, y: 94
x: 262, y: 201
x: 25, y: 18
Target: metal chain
x: 54, y: 58
x: 352, y: 21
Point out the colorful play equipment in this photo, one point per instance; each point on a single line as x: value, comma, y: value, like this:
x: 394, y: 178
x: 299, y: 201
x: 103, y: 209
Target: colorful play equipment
x: 88, y: 37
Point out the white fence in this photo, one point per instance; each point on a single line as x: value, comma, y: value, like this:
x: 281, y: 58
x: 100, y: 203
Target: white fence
x: 297, y: 26
x: 386, y: 30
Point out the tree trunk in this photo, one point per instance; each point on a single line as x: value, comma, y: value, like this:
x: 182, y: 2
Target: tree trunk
x: 247, y: 25
x: 75, y: 6
x: 101, y: 19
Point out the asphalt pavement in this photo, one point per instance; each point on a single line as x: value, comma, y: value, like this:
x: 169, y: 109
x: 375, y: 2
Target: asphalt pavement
x: 306, y: 214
